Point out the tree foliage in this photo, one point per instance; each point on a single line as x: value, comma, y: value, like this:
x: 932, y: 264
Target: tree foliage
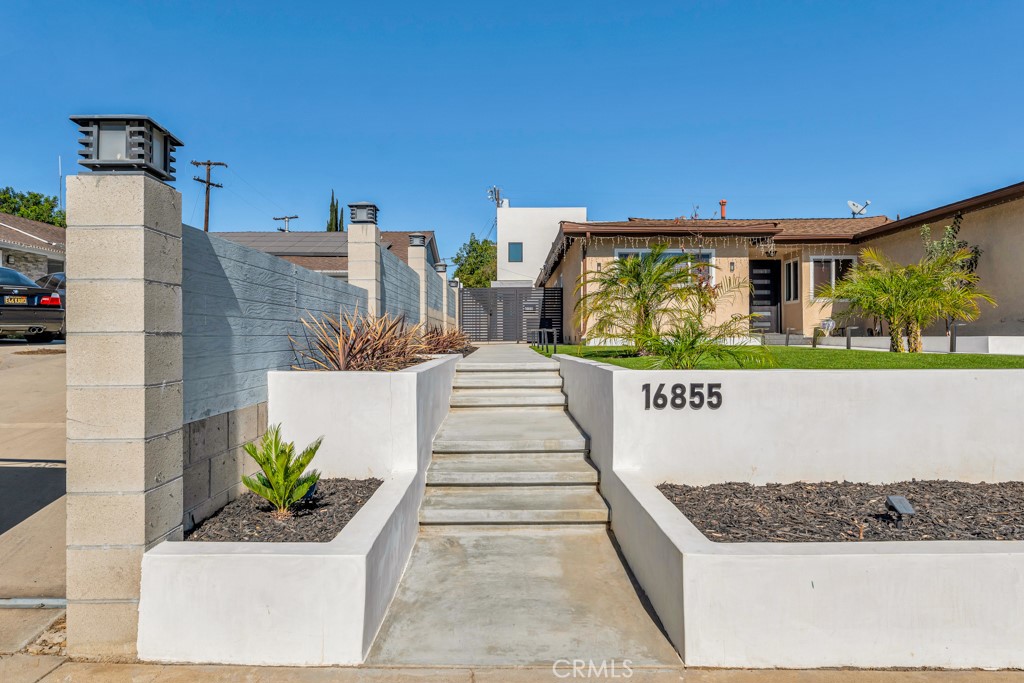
x: 335, y: 220
x: 476, y: 264
x: 949, y: 245
x: 908, y: 298
x: 283, y: 479
x: 32, y: 205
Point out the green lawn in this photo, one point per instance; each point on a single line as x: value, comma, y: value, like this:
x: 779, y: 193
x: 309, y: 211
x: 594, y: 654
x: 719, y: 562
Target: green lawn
x: 806, y: 358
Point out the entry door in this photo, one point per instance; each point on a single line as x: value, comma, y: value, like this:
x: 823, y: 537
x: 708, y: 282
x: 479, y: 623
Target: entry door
x: 766, y: 295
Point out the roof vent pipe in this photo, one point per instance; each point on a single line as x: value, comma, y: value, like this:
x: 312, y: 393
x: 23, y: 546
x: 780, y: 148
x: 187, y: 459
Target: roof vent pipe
x: 722, y: 204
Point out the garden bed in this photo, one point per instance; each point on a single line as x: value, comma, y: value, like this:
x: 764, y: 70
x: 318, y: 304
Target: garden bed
x: 834, y: 511
x: 250, y: 518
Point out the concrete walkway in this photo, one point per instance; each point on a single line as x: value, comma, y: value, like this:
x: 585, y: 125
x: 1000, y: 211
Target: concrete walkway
x: 514, y: 565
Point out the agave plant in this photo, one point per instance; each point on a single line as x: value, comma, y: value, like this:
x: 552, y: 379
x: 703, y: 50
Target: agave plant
x: 358, y: 342
x: 283, y: 479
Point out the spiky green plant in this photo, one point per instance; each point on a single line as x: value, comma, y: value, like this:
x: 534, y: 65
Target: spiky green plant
x: 908, y: 298
x: 636, y: 297
x: 283, y: 479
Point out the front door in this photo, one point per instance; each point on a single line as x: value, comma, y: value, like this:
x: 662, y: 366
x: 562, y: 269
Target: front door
x: 766, y: 296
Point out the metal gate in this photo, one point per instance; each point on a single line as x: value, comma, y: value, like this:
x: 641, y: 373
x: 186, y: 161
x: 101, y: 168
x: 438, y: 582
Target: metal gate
x: 510, y: 313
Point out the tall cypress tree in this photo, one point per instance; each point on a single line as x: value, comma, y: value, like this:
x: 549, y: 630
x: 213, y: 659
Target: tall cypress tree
x: 334, y: 220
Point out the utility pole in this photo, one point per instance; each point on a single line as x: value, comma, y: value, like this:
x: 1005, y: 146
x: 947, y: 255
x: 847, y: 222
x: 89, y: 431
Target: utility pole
x: 208, y: 165
x: 285, y: 219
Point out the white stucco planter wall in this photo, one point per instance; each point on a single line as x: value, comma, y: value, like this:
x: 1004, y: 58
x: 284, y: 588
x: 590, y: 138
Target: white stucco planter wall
x: 308, y: 604
x: 804, y: 605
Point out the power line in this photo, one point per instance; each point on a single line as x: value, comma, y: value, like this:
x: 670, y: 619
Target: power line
x: 285, y: 219
x: 209, y: 184
x: 255, y: 189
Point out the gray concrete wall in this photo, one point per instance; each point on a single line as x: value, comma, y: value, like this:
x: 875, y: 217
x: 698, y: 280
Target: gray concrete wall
x: 399, y: 288
x: 239, y: 307
x: 435, y: 298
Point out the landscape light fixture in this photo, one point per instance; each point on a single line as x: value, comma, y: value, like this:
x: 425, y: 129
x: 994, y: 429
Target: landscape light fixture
x: 952, y: 335
x: 899, y: 506
x: 417, y: 239
x: 363, y: 212
x: 126, y: 144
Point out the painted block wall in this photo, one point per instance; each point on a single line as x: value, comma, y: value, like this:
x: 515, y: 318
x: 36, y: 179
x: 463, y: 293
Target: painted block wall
x: 239, y: 306
x: 399, y: 288
x: 435, y: 297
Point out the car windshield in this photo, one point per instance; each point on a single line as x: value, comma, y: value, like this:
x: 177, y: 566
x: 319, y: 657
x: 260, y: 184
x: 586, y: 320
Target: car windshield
x: 12, y: 277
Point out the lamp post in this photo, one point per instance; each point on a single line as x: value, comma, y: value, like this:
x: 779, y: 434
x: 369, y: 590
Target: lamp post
x: 126, y: 144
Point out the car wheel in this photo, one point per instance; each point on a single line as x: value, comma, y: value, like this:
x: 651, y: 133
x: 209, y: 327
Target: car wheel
x: 42, y: 338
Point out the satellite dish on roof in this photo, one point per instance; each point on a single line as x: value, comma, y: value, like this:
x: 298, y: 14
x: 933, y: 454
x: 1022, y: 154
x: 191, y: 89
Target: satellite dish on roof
x: 858, y: 209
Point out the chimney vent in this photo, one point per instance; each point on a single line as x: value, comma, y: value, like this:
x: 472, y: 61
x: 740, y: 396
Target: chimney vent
x: 722, y: 204
x: 417, y: 239
x: 363, y: 212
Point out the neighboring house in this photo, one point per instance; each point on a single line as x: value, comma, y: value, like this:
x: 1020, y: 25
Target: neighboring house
x: 524, y: 238
x: 32, y: 248
x: 325, y: 252
x: 786, y: 260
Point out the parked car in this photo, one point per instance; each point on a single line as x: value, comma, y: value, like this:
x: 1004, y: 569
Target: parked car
x: 56, y: 281
x: 28, y: 309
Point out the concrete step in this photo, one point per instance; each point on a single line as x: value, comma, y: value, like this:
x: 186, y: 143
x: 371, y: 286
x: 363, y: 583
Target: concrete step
x: 507, y: 380
x: 506, y: 398
x: 538, y: 366
x: 513, y: 505
x: 571, y: 456
x: 487, y: 470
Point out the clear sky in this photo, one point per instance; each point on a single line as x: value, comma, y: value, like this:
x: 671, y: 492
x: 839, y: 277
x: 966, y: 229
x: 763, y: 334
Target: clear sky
x: 629, y: 108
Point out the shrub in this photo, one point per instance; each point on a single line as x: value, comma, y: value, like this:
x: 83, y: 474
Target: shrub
x: 437, y: 340
x: 358, y: 342
x: 283, y: 479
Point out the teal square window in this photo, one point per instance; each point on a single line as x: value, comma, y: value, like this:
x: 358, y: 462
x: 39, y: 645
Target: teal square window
x: 515, y: 252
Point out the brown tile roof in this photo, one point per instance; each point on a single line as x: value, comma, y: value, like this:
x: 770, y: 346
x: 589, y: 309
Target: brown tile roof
x: 41, y: 236
x: 319, y: 263
x: 398, y: 241
x: 789, y: 228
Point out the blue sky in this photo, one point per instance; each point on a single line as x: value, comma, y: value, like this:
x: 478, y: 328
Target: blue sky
x: 628, y: 108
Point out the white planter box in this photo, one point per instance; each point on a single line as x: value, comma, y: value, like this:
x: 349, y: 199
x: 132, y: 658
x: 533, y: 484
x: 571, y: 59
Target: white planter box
x: 308, y: 604
x: 806, y: 605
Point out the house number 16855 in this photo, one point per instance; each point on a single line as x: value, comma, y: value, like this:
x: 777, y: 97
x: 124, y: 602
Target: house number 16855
x: 678, y: 396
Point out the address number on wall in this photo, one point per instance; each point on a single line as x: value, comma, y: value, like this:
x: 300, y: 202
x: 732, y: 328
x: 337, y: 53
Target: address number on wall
x: 680, y: 395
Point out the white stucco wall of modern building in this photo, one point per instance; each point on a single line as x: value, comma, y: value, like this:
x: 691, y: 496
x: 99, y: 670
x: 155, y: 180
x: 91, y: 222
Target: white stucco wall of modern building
x: 536, y: 228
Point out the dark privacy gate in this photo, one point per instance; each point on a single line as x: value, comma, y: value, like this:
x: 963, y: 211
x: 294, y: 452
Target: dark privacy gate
x: 510, y: 313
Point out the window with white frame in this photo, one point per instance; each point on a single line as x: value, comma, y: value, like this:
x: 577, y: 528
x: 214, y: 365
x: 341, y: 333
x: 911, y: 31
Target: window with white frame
x: 694, y: 256
x: 791, y: 280
x: 827, y: 270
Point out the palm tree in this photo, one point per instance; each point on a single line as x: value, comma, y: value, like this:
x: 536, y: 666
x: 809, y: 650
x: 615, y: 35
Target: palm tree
x: 635, y: 298
x: 908, y: 298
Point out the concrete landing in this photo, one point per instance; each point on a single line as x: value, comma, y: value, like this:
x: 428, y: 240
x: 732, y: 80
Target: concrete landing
x: 517, y: 597
x: 479, y: 431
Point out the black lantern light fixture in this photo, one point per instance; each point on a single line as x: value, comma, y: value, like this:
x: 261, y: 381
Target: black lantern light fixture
x: 363, y: 212
x: 126, y: 144
x: 417, y: 239
x: 441, y: 267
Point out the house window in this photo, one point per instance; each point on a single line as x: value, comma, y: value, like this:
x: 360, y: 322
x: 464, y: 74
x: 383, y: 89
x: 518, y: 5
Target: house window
x: 695, y: 256
x: 827, y: 270
x: 792, y: 280
x: 515, y: 252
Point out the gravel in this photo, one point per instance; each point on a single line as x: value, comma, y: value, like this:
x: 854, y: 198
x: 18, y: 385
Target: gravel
x: 843, y: 511
x: 249, y: 518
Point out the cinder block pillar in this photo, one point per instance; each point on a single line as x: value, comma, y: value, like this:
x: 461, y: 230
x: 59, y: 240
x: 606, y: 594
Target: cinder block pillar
x: 418, y: 262
x: 364, y: 262
x: 445, y: 313
x: 124, y: 399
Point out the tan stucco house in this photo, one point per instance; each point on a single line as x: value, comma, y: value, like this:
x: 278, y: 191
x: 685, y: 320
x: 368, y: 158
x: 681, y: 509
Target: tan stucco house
x: 786, y: 260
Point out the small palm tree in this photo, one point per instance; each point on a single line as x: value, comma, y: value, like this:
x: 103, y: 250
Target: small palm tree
x: 635, y: 298
x: 907, y: 298
x: 283, y: 480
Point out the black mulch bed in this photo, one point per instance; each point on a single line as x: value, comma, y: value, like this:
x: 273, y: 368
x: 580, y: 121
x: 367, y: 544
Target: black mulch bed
x: 834, y: 511
x: 250, y: 518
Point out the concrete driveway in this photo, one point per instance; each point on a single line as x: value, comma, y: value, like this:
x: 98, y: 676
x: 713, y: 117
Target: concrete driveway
x: 32, y: 480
